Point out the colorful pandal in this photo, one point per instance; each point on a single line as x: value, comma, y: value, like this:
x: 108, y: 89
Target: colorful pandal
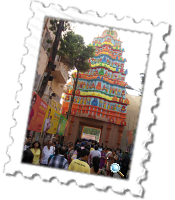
x: 101, y: 90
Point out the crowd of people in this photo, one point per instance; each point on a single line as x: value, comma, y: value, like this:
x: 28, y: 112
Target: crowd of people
x: 86, y: 156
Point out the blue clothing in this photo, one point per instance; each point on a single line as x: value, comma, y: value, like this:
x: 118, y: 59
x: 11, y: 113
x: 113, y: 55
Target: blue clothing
x: 94, y: 102
x: 51, y: 156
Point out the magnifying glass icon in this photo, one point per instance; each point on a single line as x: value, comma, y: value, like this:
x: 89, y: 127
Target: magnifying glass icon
x: 115, y: 168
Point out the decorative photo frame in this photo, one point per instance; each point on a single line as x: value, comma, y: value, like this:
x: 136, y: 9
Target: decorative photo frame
x: 11, y: 86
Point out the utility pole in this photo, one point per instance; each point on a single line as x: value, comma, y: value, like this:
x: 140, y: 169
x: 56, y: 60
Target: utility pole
x: 53, y: 51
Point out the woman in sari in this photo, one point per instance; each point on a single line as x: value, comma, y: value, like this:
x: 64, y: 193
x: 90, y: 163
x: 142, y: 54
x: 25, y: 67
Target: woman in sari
x: 74, y: 156
x: 108, y: 165
x: 103, y: 158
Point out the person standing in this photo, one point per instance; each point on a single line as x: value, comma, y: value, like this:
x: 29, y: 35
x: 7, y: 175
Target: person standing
x: 115, y: 160
x: 89, y: 143
x: 100, y: 148
x: 71, y: 146
x: 80, y: 165
x: 125, y: 163
x: 94, y: 153
x: 59, y: 161
x: 27, y: 143
x: 27, y: 156
x: 78, y: 152
x: 103, y: 158
x: 78, y: 143
x: 83, y: 144
x: 75, y: 149
x: 92, y: 148
x: 61, y: 144
x: 74, y: 156
x: 55, y: 154
x: 95, y: 169
x: 57, y: 144
x: 46, y: 153
x: 109, y: 152
x: 37, y: 152
x: 109, y: 163
x: 119, y: 154
x: 70, y: 152
x: 93, y: 143
x: 115, y: 156
x: 105, y: 150
x: 54, y: 144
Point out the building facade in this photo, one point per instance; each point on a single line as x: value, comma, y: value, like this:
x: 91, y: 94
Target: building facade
x: 131, y: 118
x: 60, y: 75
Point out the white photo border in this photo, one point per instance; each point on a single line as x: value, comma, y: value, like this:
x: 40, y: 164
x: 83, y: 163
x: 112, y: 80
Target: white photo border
x: 158, y: 47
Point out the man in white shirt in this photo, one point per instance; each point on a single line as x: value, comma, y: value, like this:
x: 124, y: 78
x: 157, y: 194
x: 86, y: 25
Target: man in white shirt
x: 94, y: 153
x: 47, y: 152
x: 100, y: 149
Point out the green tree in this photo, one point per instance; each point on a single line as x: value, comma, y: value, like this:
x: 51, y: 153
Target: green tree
x: 67, y: 25
x: 54, y: 26
x: 73, y: 47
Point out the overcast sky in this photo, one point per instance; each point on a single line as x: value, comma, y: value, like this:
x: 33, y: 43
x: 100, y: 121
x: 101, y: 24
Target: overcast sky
x: 136, y: 47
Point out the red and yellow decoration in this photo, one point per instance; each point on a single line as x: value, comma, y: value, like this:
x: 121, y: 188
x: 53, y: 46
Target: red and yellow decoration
x: 101, y: 91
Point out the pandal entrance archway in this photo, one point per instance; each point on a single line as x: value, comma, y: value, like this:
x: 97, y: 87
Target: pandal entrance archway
x: 87, y: 131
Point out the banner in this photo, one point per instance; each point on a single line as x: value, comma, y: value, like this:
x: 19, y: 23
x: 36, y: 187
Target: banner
x: 40, y: 116
x: 56, y: 105
x: 35, y: 101
x: 37, y: 113
x: 55, y: 122
x: 61, y: 125
x: 49, y: 121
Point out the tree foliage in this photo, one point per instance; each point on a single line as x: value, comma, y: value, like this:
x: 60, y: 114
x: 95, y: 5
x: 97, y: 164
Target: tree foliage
x: 54, y: 22
x: 54, y: 25
x: 73, y: 46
